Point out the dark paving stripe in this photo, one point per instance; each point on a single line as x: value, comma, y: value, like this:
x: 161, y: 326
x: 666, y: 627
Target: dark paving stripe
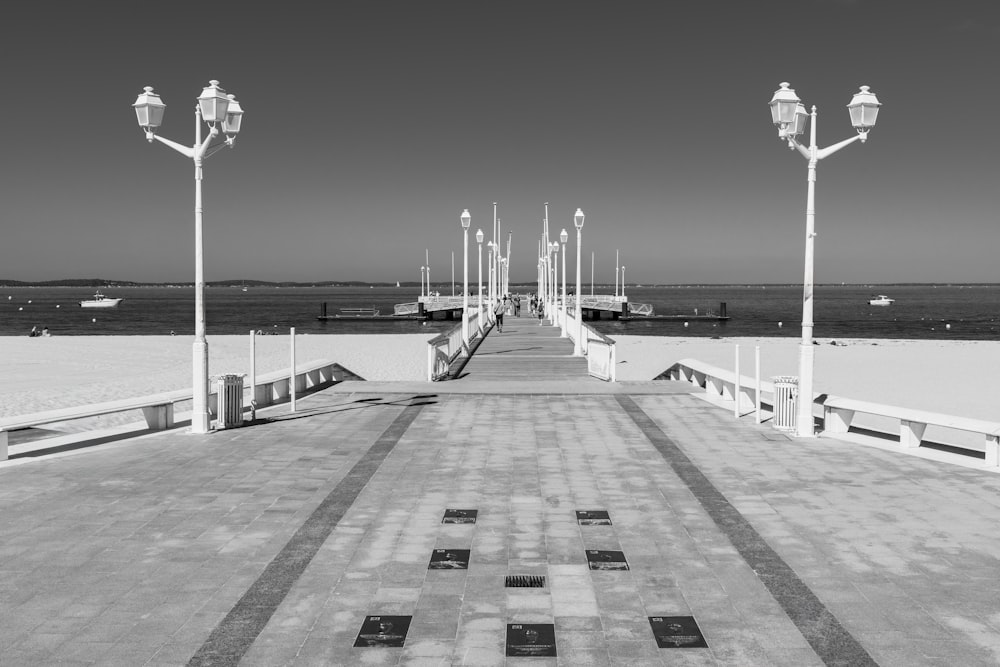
x: 234, y: 635
x: 831, y: 641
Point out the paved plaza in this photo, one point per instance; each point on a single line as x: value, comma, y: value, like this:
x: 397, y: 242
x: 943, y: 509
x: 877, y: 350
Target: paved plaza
x: 276, y: 543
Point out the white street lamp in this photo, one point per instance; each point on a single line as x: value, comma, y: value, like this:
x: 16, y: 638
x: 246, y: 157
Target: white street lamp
x: 466, y: 220
x: 421, y: 281
x: 492, y: 271
x: 542, y: 279
x: 578, y: 219
x: 623, y: 280
x: 504, y: 276
x: 789, y: 115
x: 224, y: 115
x: 563, y: 237
x: 554, y: 247
x: 479, y: 282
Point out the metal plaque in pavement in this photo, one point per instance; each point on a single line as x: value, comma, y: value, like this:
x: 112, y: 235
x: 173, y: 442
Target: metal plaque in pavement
x: 593, y: 518
x: 531, y: 640
x: 677, y: 632
x: 460, y: 516
x: 449, y: 559
x: 383, y: 631
x: 606, y: 560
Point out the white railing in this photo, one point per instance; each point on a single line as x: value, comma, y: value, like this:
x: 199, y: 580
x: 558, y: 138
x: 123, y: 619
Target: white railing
x: 411, y: 308
x: 473, y: 321
x: 158, y: 409
x: 432, y: 303
x: 598, y: 348
x: 839, y: 413
x: 276, y: 387
x: 443, y: 350
x: 642, y: 309
x: 723, y: 383
x: 600, y: 355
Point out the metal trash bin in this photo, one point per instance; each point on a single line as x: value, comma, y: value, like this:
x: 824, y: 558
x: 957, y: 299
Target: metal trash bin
x: 786, y: 391
x: 230, y: 401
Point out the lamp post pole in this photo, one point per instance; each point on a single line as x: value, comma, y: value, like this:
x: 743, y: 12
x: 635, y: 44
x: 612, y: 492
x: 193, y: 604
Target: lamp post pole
x: 479, y: 282
x: 555, y: 283
x: 578, y: 219
x: 541, y: 275
x: 466, y: 219
x: 616, y: 272
x: 421, y: 281
x: 492, y: 278
x: 789, y: 116
x: 224, y: 115
x: 563, y: 237
x: 495, y: 263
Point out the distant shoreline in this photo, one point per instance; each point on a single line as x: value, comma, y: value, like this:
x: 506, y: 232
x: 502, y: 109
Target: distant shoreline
x: 529, y: 286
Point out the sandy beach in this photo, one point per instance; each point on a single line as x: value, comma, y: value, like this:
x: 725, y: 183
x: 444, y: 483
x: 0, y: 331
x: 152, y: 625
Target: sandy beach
x: 953, y: 377
x: 48, y: 373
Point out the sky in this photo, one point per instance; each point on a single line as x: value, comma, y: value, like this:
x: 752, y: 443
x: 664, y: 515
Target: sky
x: 370, y: 125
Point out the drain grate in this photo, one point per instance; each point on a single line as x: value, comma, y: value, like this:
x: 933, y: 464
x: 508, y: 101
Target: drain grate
x: 524, y: 581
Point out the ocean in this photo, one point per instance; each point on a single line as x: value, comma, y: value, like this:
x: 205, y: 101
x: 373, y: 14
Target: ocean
x: 947, y: 312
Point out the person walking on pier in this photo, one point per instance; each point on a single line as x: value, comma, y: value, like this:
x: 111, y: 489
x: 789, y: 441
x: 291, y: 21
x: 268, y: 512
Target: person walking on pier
x: 541, y: 313
x: 500, y: 310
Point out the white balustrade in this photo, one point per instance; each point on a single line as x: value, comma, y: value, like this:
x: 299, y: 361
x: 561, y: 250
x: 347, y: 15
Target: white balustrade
x: 839, y: 415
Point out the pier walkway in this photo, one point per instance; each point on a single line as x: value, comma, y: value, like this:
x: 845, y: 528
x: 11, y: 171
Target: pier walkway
x: 525, y: 351
x: 276, y: 544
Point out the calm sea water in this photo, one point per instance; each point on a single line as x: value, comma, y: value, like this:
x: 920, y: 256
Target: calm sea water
x: 956, y: 312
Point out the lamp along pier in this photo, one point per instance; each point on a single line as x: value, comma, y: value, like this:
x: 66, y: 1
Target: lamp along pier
x: 592, y: 307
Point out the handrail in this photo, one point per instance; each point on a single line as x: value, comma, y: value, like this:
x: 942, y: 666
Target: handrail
x: 722, y: 382
x: 839, y: 412
x: 597, y: 348
x: 600, y: 351
x: 445, y: 348
x: 158, y: 408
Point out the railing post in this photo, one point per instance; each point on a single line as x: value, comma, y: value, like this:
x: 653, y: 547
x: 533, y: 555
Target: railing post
x: 253, y: 372
x: 992, y: 459
x: 614, y: 363
x: 756, y: 390
x: 291, y: 377
x: 430, y: 362
x: 736, y: 385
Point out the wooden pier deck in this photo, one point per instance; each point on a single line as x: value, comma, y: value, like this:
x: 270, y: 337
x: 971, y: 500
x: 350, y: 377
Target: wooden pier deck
x: 525, y: 351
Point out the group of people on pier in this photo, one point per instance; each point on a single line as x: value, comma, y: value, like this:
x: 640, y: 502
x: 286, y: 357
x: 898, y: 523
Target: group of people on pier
x: 511, y: 305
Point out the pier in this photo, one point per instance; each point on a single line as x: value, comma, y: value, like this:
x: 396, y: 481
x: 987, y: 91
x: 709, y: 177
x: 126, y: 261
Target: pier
x: 524, y: 352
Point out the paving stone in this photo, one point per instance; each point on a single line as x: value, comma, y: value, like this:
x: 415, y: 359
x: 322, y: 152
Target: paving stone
x: 153, y: 544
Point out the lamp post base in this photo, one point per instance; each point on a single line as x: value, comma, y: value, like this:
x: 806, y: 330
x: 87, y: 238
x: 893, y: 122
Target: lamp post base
x: 201, y: 420
x: 804, y: 423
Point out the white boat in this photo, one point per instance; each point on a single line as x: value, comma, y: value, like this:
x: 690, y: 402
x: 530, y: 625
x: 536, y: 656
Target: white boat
x: 101, y: 301
x: 880, y: 300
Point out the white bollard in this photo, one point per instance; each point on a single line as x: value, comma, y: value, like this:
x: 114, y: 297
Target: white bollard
x: 291, y: 379
x: 757, y: 381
